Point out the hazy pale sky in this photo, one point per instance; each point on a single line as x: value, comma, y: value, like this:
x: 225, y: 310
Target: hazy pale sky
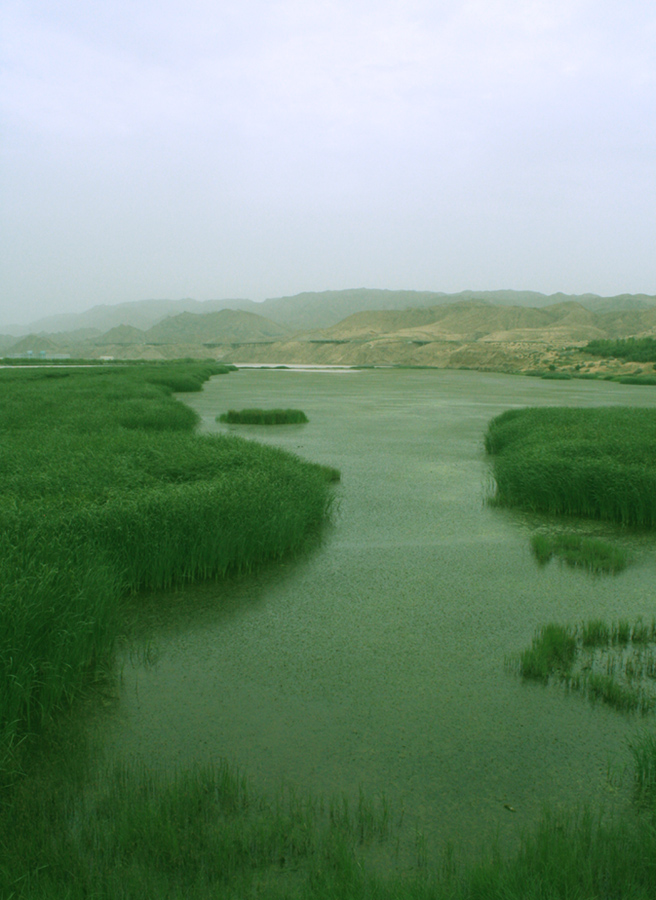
x: 253, y: 148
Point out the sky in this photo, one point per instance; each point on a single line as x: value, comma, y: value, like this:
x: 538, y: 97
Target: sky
x: 258, y: 148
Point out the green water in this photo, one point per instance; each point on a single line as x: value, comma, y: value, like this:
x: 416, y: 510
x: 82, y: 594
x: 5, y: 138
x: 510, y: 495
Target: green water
x: 377, y: 659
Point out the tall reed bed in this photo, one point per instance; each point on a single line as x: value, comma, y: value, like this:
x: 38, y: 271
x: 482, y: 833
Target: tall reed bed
x: 104, y: 490
x: 598, y: 463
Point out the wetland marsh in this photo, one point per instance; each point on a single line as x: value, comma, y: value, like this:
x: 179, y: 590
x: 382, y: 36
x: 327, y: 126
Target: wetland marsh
x: 376, y: 661
x: 367, y: 687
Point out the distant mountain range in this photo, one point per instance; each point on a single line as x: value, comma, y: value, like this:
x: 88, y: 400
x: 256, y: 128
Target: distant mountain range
x: 311, y: 310
x: 141, y: 314
x: 189, y: 329
x: 357, y: 327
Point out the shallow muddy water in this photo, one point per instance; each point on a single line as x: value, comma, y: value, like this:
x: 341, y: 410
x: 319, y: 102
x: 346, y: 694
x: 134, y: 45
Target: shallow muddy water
x: 376, y: 660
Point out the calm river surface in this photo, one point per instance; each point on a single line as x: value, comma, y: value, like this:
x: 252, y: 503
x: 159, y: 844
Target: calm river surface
x: 377, y: 659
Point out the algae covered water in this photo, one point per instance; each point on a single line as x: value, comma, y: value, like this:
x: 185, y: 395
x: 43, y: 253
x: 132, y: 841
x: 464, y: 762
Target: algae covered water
x: 376, y: 661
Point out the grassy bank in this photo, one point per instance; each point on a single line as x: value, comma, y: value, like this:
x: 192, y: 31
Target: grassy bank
x: 106, y: 490
x: 263, y: 417
x: 597, y: 463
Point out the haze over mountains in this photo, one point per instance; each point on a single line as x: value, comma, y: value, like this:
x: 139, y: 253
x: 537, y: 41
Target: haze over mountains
x: 354, y: 327
x: 310, y: 309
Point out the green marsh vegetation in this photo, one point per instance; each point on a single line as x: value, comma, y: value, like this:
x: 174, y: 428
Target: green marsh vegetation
x: 612, y: 663
x: 105, y: 491
x: 263, y: 417
x: 198, y: 833
x: 552, y: 650
x: 591, y: 554
x: 205, y: 833
x: 630, y: 349
x: 649, y: 380
x: 597, y: 462
x: 643, y: 752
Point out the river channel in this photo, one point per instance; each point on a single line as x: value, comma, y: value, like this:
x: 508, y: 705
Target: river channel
x: 376, y: 660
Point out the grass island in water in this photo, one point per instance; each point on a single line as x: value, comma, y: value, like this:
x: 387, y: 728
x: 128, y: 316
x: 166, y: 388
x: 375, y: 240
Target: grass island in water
x: 263, y: 417
x: 598, y: 463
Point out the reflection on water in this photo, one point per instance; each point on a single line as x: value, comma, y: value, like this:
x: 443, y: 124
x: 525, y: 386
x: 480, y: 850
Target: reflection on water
x: 377, y: 660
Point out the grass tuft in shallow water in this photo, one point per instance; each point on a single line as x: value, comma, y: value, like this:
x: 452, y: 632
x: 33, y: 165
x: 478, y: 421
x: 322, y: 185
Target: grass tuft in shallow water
x: 579, y: 552
x: 205, y: 834
x: 596, y: 633
x: 552, y: 650
x: 615, y: 664
x: 643, y: 753
x: 610, y: 690
x: 621, y: 632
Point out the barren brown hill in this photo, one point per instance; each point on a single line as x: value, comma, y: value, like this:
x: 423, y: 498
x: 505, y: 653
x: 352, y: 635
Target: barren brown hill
x: 471, y: 321
x: 33, y: 343
x: 322, y: 310
x: 122, y: 335
x: 630, y: 323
